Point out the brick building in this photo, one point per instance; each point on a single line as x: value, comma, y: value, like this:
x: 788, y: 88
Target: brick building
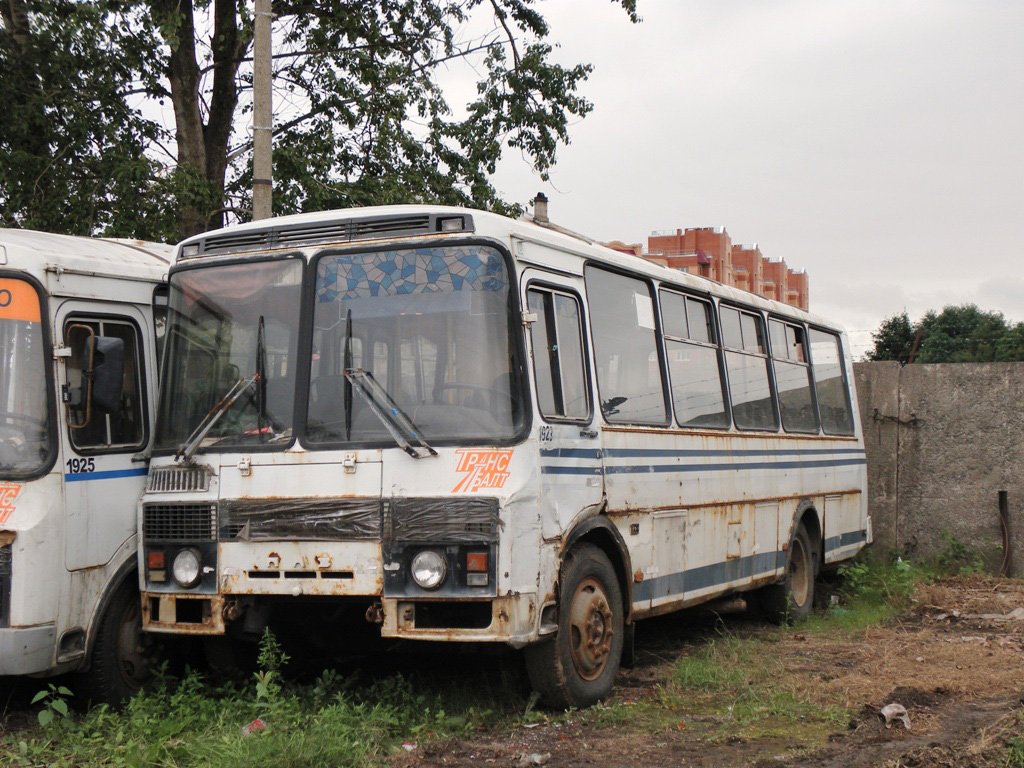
x: 709, y: 252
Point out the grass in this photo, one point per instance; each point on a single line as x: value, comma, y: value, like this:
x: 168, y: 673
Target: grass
x: 725, y: 687
x: 333, y: 721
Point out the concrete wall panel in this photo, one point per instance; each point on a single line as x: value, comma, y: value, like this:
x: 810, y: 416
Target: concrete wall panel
x: 942, y: 441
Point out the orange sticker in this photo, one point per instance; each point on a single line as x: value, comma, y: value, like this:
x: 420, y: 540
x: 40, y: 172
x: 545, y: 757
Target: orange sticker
x: 8, y: 493
x: 483, y: 469
x: 18, y: 301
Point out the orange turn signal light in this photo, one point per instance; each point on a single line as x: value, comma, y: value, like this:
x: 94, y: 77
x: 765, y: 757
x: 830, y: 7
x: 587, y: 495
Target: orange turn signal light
x: 155, y: 560
x: 476, y: 562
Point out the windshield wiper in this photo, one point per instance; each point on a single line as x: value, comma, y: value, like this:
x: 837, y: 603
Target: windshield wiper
x: 398, y: 425
x: 191, y: 445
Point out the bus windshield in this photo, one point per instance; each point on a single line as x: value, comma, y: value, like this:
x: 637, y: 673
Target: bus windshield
x: 231, y: 328
x: 430, y: 325
x: 24, y: 415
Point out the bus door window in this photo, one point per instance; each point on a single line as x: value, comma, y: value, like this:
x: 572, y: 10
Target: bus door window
x: 695, y: 372
x: 746, y: 360
x: 98, y: 426
x: 625, y: 348
x: 792, y: 377
x: 558, y: 359
x: 830, y: 383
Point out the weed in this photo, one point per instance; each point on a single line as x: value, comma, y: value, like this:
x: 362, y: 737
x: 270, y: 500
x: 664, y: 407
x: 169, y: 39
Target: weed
x: 957, y: 558
x: 55, y: 705
x: 1015, y: 753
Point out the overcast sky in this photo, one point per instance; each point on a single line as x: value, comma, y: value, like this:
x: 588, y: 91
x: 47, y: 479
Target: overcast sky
x: 878, y: 145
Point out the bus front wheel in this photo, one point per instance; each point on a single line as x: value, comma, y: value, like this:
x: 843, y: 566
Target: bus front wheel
x: 577, y: 667
x: 793, y: 597
x: 121, y: 661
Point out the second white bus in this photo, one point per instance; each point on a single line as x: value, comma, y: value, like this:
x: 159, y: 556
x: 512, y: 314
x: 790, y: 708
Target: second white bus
x: 459, y: 427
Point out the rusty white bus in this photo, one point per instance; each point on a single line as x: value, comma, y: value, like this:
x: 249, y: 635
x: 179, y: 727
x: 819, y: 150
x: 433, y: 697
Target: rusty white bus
x: 77, y: 401
x: 453, y: 426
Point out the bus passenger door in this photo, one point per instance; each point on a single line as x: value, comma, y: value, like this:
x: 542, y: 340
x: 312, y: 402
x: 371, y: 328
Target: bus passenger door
x: 105, y: 426
x: 570, y: 450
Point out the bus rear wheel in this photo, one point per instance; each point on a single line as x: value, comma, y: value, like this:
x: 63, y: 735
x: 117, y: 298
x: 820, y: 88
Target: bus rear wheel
x: 792, y: 598
x: 577, y: 667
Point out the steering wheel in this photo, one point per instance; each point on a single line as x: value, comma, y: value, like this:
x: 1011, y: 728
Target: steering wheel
x: 11, y: 417
x: 491, y: 392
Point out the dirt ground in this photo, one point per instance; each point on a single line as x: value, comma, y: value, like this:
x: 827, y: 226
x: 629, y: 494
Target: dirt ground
x: 954, y: 661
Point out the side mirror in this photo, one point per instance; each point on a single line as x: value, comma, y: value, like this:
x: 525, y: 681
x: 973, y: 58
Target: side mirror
x: 107, y: 371
x: 102, y: 375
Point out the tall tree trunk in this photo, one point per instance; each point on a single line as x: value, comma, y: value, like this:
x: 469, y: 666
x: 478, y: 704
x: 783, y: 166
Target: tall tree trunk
x: 203, y: 147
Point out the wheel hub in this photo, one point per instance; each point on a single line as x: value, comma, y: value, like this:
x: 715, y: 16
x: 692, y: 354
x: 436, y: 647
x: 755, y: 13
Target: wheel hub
x: 591, y: 629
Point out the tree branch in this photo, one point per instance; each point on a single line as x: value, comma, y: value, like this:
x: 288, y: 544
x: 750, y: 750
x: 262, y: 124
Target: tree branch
x: 511, y: 40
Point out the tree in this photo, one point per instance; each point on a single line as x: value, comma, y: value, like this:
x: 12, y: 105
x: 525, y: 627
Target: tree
x: 74, y: 151
x: 894, y: 340
x: 365, y: 118
x: 957, y: 334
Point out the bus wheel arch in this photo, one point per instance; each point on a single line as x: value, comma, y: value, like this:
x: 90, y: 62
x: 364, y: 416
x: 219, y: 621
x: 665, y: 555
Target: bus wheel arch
x: 116, y: 663
x: 600, y: 532
x: 793, y: 596
x: 577, y: 666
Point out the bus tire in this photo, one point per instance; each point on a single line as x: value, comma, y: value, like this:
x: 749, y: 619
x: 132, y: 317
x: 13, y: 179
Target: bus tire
x: 577, y: 667
x: 793, y: 597
x: 120, y: 663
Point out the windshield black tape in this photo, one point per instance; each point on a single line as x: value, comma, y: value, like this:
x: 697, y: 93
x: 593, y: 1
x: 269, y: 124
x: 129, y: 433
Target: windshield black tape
x: 443, y: 520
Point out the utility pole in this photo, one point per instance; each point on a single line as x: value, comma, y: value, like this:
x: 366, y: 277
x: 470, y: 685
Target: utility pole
x: 263, y: 114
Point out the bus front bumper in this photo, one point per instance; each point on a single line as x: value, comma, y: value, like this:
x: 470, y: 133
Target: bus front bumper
x: 27, y: 650
x: 510, y: 619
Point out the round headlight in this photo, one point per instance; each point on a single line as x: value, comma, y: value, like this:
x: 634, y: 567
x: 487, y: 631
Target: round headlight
x: 429, y: 569
x: 185, y: 568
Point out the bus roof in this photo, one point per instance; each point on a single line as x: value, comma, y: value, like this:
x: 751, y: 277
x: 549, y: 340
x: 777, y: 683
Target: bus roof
x: 487, y: 224
x: 115, y: 257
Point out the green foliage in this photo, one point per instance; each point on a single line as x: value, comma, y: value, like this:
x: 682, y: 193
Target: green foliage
x: 894, y: 340
x: 271, y: 660
x: 955, y: 557
x: 74, y: 147
x: 361, y: 115
x: 871, y: 581
x: 330, y: 724
x: 957, y: 334
x: 1014, y: 753
x: 55, y: 705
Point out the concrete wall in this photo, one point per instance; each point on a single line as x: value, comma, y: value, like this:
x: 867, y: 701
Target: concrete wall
x: 942, y: 441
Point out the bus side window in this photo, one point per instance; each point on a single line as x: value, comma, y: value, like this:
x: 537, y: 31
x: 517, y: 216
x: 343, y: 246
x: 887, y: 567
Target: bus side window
x: 792, y: 377
x: 830, y: 383
x: 558, y: 359
x: 694, y: 372
x: 746, y: 360
x: 122, y: 425
x: 625, y: 349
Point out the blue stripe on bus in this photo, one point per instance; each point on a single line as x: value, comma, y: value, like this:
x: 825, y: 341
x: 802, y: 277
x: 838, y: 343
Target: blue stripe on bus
x: 718, y: 574
x: 706, y: 576
x: 545, y: 470
x: 845, y: 540
x: 633, y: 469
x: 108, y: 475
x: 652, y: 452
x: 571, y: 453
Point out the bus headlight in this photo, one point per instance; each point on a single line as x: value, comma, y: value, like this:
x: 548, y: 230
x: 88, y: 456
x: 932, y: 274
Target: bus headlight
x: 185, y: 568
x: 429, y: 569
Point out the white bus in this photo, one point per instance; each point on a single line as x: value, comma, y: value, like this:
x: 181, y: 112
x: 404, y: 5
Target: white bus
x: 459, y: 427
x: 77, y: 395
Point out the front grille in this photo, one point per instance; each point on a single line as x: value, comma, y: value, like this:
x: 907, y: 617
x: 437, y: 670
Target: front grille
x: 5, y: 585
x: 179, y: 522
x: 178, y: 480
x: 343, y: 231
